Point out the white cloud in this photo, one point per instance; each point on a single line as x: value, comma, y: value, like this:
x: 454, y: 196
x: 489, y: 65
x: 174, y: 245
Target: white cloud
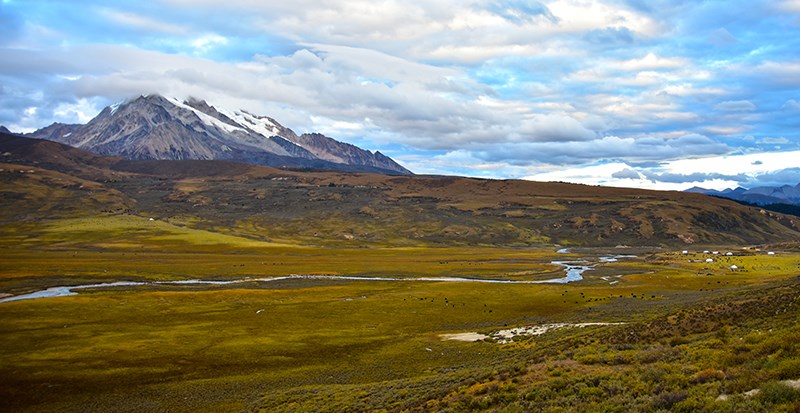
x: 777, y: 73
x: 726, y: 130
x: 646, y: 78
x: 791, y: 105
x: 751, y: 164
x: 686, y: 89
x: 553, y: 128
x: 602, y: 174
x: 792, y: 6
x: 81, y: 111
x: 461, y: 162
x: 609, y: 147
x: 207, y: 42
x: 626, y: 173
x: 774, y: 141
x: 577, y: 15
x: 652, y: 62
x: 736, y: 106
x: 140, y: 22
x: 378, y: 65
x: 718, y: 172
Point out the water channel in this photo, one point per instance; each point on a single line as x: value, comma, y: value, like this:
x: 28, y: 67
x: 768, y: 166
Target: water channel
x: 573, y: 272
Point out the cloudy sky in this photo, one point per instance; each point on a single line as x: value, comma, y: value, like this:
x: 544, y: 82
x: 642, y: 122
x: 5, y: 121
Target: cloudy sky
x: 647, y: 93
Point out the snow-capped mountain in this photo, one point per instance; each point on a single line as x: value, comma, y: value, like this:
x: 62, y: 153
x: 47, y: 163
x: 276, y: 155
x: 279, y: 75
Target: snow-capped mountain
x: 156, y: 127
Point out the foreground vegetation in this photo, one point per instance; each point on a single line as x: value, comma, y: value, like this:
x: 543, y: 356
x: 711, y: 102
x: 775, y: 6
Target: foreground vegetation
x: 694, y: 331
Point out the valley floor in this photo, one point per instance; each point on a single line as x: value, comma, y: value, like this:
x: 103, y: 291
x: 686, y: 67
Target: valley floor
x: 660, y: 330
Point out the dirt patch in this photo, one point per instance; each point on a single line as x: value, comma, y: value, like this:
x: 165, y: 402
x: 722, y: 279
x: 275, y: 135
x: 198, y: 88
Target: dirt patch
x: 507, y: 336
x: 464, y: 337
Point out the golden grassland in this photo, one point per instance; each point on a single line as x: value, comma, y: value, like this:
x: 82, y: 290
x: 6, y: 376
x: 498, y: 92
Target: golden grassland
x: 694, y: 330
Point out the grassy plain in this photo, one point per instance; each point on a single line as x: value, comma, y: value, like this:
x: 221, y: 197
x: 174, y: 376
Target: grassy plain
x: 694, y: 330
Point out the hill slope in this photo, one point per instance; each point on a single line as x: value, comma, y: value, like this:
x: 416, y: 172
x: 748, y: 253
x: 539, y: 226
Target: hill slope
x: 332, y: 208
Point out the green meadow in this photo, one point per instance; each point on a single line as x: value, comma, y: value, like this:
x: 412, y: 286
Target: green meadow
x: 692, y: 335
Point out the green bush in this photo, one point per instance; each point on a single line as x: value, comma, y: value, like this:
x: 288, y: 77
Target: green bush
x: 667, y: 400
x: 788, y: 369
x: 688, y: 405
x: 778, y: 393
x: 707, y: 375
x: 591, y: 393
x: 657, y: 353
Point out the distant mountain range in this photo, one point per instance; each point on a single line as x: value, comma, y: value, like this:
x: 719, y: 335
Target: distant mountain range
x: 764, y: 195
x: 154, y: 127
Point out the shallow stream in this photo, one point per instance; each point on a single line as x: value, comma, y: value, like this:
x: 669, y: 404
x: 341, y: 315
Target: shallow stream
x: 573, y: 272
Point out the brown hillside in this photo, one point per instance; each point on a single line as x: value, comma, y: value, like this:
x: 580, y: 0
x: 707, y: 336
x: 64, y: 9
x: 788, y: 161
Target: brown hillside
x: 56, y: 156
x: 333, y: 208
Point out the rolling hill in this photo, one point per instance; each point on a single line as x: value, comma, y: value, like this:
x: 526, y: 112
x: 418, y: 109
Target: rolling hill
x: 45, y: 180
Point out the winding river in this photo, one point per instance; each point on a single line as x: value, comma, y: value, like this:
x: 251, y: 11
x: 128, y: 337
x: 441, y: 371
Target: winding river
x: 573, y: 272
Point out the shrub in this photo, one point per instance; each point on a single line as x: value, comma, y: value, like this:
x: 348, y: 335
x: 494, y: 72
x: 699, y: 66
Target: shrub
x: 676, y: 380
x: 659, y: 353
x: 688, y: 405
x: 788, y: 369
x: 512, y: 408
x: 778, y: 393
x: 754, y: 337
x: 558, y: 384
x: 707, y: 375
x: 653, y: 373
x: 723, y: 334
x: 539, y: 394
x: 588, y: 359
x: 679, y: 341
x: 667, y: 400
x: 591, y: 393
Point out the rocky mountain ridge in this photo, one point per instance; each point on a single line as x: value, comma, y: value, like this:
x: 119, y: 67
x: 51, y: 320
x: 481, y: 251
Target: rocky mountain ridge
x: 764, y: 195
x: 154, y: 127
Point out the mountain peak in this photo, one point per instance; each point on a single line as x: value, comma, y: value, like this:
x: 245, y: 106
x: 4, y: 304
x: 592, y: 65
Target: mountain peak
x: 156, y: 127
x: 191, y: 100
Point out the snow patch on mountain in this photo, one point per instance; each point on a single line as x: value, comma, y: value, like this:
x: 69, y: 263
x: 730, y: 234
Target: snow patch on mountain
x: 207, y: 119
x: 259, y: 125
x: 114, y: 107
